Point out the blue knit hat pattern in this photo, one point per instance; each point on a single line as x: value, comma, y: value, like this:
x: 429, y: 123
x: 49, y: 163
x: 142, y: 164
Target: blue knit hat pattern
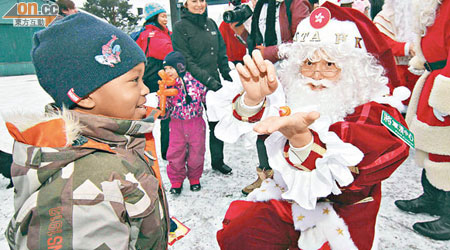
x: 176, y: 60
x: 153, y: 9
x: 79, y: 54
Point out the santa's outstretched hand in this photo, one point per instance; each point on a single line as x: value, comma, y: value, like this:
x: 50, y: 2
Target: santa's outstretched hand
x: 294, y: 127
x: 258, y: 78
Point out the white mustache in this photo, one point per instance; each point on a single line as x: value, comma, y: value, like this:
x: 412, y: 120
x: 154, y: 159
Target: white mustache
x: 323, y: 82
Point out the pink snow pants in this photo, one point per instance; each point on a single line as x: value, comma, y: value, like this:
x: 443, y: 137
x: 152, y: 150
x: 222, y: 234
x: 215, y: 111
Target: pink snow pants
x: 186, y: 153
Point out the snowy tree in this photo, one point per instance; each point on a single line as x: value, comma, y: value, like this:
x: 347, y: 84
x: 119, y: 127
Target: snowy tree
x: 115, y: 12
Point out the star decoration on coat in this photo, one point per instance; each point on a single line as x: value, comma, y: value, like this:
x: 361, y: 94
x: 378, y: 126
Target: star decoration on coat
x: 340, y: 231
x: 300, y: 217
x: 326, y: 211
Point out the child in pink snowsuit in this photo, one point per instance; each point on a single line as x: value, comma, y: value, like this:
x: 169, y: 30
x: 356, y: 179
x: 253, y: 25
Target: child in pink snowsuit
x: 187, y: 128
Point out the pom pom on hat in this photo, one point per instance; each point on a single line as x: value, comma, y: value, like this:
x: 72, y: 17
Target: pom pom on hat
x: 79, y: 54
x: 153, y: 9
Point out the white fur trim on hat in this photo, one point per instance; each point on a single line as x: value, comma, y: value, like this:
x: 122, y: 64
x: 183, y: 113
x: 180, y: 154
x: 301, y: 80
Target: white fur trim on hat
x: 399, y: 94
x: 440, y: 94
x: 334, y: 32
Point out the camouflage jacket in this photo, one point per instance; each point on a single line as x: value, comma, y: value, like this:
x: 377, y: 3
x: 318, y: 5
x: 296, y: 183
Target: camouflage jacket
x: 86, y: 182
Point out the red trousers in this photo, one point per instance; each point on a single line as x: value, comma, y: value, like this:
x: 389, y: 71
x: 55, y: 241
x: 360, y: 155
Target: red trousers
x: 256, y: 225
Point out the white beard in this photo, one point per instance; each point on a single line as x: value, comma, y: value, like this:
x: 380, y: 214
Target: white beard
x: 336, y: 101
x: 425, y: 13
x: 403, y: 22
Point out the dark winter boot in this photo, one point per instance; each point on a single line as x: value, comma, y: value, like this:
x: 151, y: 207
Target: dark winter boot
x: 176, y: 191
x: 223, y: 168
x: 426, y: 203
x: 438, y: 229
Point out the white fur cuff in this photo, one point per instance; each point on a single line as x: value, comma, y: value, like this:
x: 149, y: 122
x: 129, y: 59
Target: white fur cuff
x: 440, y: 94
x: 417, y: 63
x: 438, y: 173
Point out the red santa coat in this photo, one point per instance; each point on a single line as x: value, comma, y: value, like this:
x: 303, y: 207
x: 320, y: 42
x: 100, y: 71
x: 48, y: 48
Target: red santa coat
x: 357, y: 204
x: 384, y: 22
x: 429, y: 109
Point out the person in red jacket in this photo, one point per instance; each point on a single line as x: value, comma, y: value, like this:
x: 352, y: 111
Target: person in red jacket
x: 155, y: 41
x: 395, y: 24
x: 428, y: 117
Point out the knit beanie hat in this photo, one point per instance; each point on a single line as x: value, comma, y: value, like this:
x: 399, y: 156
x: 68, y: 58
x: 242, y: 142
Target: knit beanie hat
x: 176, y: 60
x: 153, y: 9
x: 79, y: 54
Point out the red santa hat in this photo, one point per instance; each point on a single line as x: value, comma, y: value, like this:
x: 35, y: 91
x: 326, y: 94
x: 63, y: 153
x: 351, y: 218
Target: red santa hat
x: 337, y: 2
x: 331, y: 24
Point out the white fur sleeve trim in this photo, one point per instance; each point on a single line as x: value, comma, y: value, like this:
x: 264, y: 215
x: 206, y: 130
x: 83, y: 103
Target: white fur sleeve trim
x: 440, y: 94
x: 406, y: 49
x: 306, y: 187
x: 229, y: 129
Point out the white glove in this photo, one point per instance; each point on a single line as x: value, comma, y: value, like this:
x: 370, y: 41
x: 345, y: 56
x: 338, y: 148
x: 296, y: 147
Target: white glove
x: 439, y: 115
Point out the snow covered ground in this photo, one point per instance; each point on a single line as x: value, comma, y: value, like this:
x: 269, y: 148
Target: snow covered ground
x: 203, y: 211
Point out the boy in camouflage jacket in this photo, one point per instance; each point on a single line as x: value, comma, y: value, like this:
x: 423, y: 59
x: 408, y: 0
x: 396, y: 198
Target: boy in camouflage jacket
x: 86, y: 177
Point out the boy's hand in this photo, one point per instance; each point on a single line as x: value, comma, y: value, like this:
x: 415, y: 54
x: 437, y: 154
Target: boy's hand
x: 258, y: 78
x: 293, y: 127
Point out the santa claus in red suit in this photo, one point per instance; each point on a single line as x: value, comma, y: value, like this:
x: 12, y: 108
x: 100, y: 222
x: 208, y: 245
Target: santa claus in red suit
x: 331, y: 153
x: 428, y: 118
x: 397, y: 26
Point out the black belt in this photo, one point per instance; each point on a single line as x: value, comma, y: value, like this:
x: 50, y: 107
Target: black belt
x: 435, y: 65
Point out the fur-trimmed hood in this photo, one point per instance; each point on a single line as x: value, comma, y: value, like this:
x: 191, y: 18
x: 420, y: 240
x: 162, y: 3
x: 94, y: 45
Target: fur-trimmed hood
x: 52, y: 129
x: 50, y: 142
x: 67, y: 127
